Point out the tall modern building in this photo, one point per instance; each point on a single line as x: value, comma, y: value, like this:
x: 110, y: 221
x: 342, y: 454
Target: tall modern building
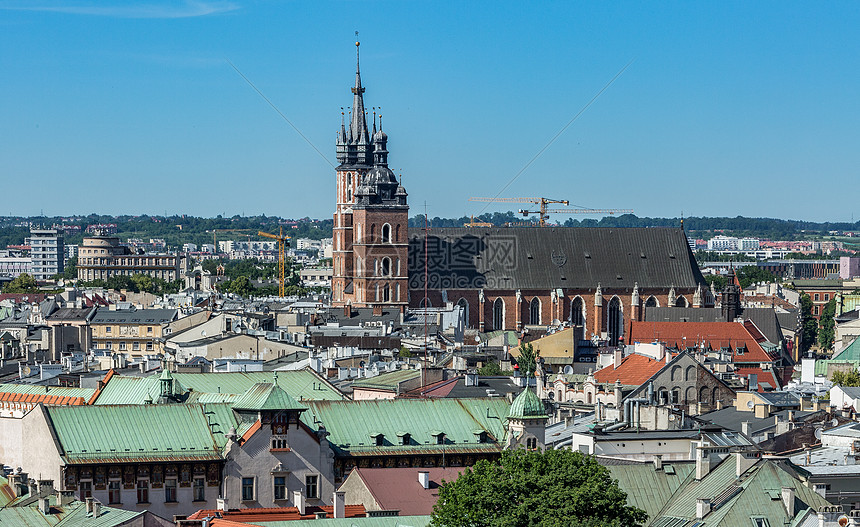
x: 47, y: 253
x: 371, y: 217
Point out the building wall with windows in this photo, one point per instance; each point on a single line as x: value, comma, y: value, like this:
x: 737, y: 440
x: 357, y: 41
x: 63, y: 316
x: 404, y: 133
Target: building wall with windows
x: 133, y: 331
x: 47, y: 253
x: 101, y: 257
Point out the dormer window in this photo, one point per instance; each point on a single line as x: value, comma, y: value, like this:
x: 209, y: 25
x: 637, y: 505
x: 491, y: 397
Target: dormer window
x: 480, y: 436
x: 404, y: 437
x: 378, y: 438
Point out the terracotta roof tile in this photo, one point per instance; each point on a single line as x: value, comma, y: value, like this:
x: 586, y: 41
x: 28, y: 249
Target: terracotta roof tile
x: 235, y: 517
x: 634, y: 370
x: 716, y: 335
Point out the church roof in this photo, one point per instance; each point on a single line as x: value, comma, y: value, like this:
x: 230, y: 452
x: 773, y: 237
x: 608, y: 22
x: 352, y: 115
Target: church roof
x: 554, y: 257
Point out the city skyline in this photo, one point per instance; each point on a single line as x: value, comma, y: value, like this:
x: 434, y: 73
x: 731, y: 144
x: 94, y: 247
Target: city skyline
x: 724, y: 110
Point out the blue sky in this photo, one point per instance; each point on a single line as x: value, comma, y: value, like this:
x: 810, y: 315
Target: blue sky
x: 728, y: 108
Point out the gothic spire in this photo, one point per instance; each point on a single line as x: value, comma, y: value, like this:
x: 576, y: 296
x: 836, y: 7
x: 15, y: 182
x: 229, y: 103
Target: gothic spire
x: 358, y: 122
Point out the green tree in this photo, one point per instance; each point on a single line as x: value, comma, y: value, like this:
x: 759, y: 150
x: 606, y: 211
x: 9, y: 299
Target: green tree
x: 490, y: 369
x: 826, y: 324
x: 120, y: 282
x: 751, y: 274
x: 718, y: 281
x: 24, y: 283
x: 841, y: 378
x: 241, y: 286
x: 404, y: 353
x: 545, y: 489
x: 808, y: 324
x: 70, y: 271
x: 527, y: 358
x: 143, y: 282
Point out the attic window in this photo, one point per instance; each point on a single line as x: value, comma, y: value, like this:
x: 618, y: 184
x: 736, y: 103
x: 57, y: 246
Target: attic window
x: 587, y: 254
x: 480, y: 436
x: 672, y: 255
x: 618, y: 276
x: 404, y: 437
x: 378, y: 438
x: 530, y: 256
x: 740, y: 350
x: 641, y: 255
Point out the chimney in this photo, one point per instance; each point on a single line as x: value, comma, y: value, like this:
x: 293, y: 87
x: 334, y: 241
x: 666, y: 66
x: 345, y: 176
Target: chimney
x: 299, y: 501
x: 424, y: 479
x: 703, y: 507
x: 658, y: 462
x: 97, y: 508
x: 347, y: 311
x: 745, y: 428
x: 791, y: 416
x: 377, y: 310
x: 788, y: 500
x: 46, y: 487
x: 719, y: 404
x: 89, y: 504
x: 617, y: 356
x: 761, y: 411
x: 339, y: 505
x: 703, y: 463
x: 44, y: 505
x: 64, y: 497
x: 221, y: 504
x: 743, y: 462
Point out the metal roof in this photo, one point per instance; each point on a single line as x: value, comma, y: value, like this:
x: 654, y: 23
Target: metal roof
x: 133, y: 316
x: 158, y: 432
x: 352, y: 424
x: 555, y: 257
x: 209, y: 387
x: 266, y: 396
x: 387, y: 381
x: 646, y: 487
x: 72, y: 515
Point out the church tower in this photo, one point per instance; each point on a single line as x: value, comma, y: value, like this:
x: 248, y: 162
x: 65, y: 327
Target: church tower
x: 371, y: 216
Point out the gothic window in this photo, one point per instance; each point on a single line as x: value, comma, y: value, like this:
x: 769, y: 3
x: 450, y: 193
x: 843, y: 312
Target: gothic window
x: 577, y: 313
x: 386, y: 267
x: 397, y: 233
x: 651, y: 302
x: 615, y: 322
x: 499, y: 314
x: 465, y: 305
x: 681, y: 302
x: 372, y: 232
x: 386, y: 293
x: 397, y: 292
x: 386, y: 233
x: 534, y: 311
x: 425, y: 302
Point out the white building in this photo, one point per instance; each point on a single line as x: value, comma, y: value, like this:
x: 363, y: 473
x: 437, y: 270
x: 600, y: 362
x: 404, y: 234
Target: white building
x: 47, y: 253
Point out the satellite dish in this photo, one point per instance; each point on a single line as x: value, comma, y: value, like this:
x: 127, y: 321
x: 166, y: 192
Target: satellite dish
x: 842, y: 521
x: 817, y: 433
x: 750, y: 404
x: 834, y: 422
x: 568, y: 370
x: 551, y: 395
x: 478, y: 338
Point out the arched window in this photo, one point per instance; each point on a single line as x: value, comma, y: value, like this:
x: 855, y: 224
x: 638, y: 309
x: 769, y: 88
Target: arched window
x: 615, y: 322
x: 690, y: 373
x: 397, y: 292
x: 425, y: 302
x: 534, y: 311
x: 577, y: 312
x: 465, y: 305
x: 386, y: 293
x: 397, y: 234
x: 675, y: 374
x: 357, y: 233
x: 499, y: 314
x: 652, y: 302
x: 704, y: 395
x: 358, y: 265
x: 681, y: 302
x: 385, y: 268
x: 398, y: 267
x: 386, y: 233
x: 372, y: 232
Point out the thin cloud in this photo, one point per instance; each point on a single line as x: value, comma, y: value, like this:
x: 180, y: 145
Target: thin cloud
x: 176, y: 9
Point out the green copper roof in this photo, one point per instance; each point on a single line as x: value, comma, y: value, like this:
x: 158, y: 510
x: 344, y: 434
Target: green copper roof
x: 216, y: 387
x: 265, y: 396
x: 352, y: 424
x: 71, y: 515
x: 527, y: 405
x: 157, y: 432
x: 387, y: 381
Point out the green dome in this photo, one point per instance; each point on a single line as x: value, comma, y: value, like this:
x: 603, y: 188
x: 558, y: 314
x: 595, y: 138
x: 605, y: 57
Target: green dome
x: 527, y: 405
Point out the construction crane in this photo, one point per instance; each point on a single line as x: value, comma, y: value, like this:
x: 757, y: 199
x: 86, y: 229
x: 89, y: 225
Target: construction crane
x: 544, y: 212
x: 216, y: 231
x: 282, y: 241
x: 473, y: 223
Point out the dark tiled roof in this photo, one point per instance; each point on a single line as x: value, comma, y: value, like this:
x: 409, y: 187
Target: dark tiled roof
x: 554, y: 257
x: 70, y: 314
x: 133, y: 316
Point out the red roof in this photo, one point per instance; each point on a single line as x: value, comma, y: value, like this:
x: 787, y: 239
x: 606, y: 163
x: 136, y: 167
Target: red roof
x: 714, y: 335
x: 274, y: 514
x: 34, y: 398
x: 634, y: 370
x: 763, y: 376
x: 23, y: 298
x: 399, y: 488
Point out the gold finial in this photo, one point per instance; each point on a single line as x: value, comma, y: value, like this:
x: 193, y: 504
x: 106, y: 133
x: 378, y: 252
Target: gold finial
x: 357, y: 44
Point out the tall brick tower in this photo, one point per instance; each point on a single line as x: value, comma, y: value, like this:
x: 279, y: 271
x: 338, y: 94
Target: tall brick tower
x: 370, y: 218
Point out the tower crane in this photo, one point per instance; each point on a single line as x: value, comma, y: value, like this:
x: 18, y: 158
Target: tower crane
x: 282, y: 241
x: 544, y: 212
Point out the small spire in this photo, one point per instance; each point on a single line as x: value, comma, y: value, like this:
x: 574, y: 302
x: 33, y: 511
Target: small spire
x: 374, y: 120
x: 380, y: 119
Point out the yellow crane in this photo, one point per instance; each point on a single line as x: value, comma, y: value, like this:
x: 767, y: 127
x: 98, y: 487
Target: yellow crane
x: 544, y: 212
x: 216, y: 231
x: 282, y: 241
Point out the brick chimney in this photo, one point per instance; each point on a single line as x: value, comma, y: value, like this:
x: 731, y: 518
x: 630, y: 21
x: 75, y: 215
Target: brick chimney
x: 377, y: 310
